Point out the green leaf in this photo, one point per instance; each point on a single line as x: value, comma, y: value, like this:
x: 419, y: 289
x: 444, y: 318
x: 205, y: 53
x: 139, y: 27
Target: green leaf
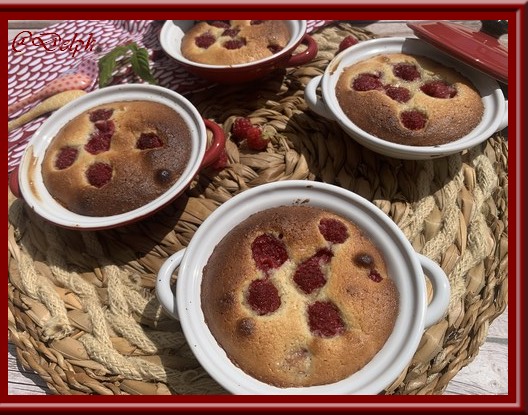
x: 140, y: 65
x: 139, y: 60
x: 107, y: 64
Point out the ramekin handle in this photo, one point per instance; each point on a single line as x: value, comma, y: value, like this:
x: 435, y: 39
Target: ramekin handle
x: 305, y: 56
x: 313, y: 100
x: 441, y: 291
x: 504, y: 122
x: 217, y: 145
x: 166, y: 296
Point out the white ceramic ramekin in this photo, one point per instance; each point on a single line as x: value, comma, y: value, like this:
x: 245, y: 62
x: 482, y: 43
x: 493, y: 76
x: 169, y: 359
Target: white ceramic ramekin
x: 495, y: 116
x: 172, y: 33
x: 30, y: 184
x: 405, y: 265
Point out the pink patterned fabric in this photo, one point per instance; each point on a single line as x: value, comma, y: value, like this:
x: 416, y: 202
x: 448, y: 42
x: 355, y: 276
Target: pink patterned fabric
x: 32, y: 66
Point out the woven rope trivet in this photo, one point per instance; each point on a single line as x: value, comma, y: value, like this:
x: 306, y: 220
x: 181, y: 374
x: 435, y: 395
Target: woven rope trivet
x: 82, y: 309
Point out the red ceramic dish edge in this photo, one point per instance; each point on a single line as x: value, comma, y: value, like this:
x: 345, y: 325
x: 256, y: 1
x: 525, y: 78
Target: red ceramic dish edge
x: 477, y: 49
x: 25, y: 181
x: 171, y: 34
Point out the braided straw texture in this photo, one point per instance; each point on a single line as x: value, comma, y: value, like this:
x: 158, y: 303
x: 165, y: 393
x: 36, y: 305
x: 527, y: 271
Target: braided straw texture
x: 82, y: 308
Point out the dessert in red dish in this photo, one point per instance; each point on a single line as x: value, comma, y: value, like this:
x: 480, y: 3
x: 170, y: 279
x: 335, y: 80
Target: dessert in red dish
x: 409, y: 100
x: 231, y: 42
x: 298, y: 296
x: 116, y: 157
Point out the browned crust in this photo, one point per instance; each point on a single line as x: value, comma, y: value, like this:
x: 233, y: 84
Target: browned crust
x: 378, y: 114
x: 258, y: 38
x: 279, y: 348
x: 134, y: 182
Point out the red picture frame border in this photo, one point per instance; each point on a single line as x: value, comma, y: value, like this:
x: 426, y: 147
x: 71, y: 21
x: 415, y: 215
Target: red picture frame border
x: 515, y: 13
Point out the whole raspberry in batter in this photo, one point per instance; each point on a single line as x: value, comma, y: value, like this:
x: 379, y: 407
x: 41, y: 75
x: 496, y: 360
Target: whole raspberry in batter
x: 309, y: 275
x: 333, y: 230
x: 367, y: 82
x: 324, y: 319
x: 413, y: 119
x: 398, y: 93
x: 66, y: 157
x: 235, y: 43
x: 263, y: 297
x: 406, y: 71
x: 147, y: 141
x: 99, y: 174
x: 269, y: 252
x: 105, y: 126
x: 98, y: 142
x: 224, y: 24
x: 439, y: 89
x: 205, y: 40
x: 101, y: 114
x: 231, y: 32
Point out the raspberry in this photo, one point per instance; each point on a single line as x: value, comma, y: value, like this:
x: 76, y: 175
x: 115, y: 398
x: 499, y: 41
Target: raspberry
x: 263, y: 297
x: 406, y: 71
x: 347, y: 42
x: 98, y: 142
x: 231, y: 32
x: 101, y: 114
x: 439, y: 89
x: 323, y: 256
x: 324, y: 319
x: 333, y: 230
x: 375, y: 275
x: 147, y: 141
x: 105, y: 126
x: 367, y: 82
x: 222, y: 24
x: 235, y: 43
x: 239, y: 129
x: 413, y: 120
x: 242, y: 129
x: 268, y: 252
x: 398, y: 93
x: 255, y: 139
x: 99, y: 174
x: 256, y: 22
x: 205, y: 40
x: 66, y: 157
x: 309, y: 275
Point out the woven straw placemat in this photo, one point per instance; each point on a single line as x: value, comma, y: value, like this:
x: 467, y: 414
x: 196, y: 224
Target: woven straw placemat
x: 82, y: 309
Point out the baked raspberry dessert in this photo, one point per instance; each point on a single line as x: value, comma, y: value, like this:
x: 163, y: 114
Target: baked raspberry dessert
x: 409, y: 100
x: 298, y: 296
x: 231, y: 42
x: 116, y: 157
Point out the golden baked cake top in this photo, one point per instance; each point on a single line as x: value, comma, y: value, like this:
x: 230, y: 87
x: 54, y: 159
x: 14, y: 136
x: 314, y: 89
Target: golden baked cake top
x: 409, y: 99
x: 116, y: 157
x: 298, y: 296
x: 231, y: 42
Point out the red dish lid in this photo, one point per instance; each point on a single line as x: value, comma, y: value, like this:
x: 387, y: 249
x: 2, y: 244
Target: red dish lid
x: 477, y: 49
